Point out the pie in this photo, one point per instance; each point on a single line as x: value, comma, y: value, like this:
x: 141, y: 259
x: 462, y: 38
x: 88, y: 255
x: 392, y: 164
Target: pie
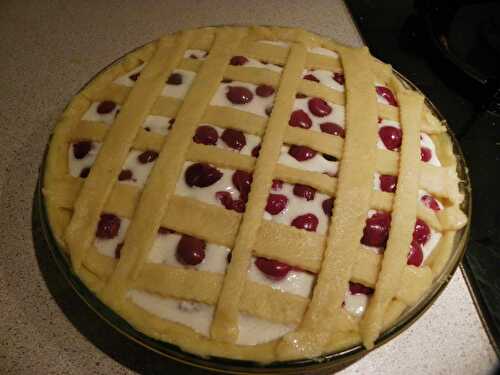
x: 256, y: 193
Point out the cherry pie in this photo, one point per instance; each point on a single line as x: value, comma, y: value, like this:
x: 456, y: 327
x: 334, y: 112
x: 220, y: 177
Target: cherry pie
x: 253, y: 193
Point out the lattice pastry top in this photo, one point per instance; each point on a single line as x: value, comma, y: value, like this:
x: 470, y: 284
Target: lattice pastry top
x: 253, y: 193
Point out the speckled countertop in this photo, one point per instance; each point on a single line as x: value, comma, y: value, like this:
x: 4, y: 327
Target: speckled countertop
x: 49, y: 50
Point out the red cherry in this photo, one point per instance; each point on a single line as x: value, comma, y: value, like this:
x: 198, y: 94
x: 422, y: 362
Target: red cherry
x: 174, y: 79
x: 415, y: 256
x: 234, y: 138
x: 304, y: 191
x: 308, y: 222
x: 277, y: 184
x: 242, y: 180
x: 301, y: 153
x: 201, y: 175
x: 238, y: 60
x: 339, y: 78
x: 387, y: 94
x: 388, y: 183
x: 84, y: 173
x: 276, y: 203
x: 327, y: 206
x: 134, y: 77
x: 225, y: 198
x: 391, y: 137
x: 425, y: 154
x: 256, y: 151
x: 319, y: 107
x: 206, y: 135
x: 264, y: 91
x: 300, y: 119
x: 357, y: 288
x: 430, y: 202
x: 147, y: 157
x: 125, y: 175
x: 311, y: 77
x: 190, y: 250
x: 422, y: 232
x: 239, y: 205
x: 376, y: 230
x: 272, y: 268
x: 239, y: 94
x: 81, y: 149
x: 332, y: 128
x: 108, y: 226
x: 106, y: 106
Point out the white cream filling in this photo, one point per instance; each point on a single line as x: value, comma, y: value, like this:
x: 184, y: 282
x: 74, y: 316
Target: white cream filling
x: 337, y: 115
x: 298, y: 206
x: 278, y: 43
x: 196, y: 315
x: 199, y: 53
x: 165, y: 248
x: 125, y: 80
x: 107, y: 246
x: 157, y: 124
x: 325, y: 77
x: 323, y: 51
x: 258, y: 64
x: 140, y: 172
x: 179, y: 91
x: 295, y: 282
x: 251, y: 141
x: 431, y: 243
x: 254, y: 331
x: 316, y: 164
x: 257, y: 105
x: 426, y: 141
x: 75, y: 166
x: 106, y: 118
x: 207, y: 194
x: 355, y: 304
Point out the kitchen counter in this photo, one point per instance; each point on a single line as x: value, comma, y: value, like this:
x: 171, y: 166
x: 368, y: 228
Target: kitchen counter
x: 49, y: 50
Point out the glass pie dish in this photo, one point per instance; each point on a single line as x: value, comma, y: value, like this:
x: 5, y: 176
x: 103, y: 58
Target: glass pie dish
x: 327, y: 362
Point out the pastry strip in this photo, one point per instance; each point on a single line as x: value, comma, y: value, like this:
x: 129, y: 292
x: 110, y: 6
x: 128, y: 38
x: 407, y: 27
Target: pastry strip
x: 325, y: 143
x: 226, y: 117
x: 351, y: 204
x: 403, y: 219
x: 225, y: 325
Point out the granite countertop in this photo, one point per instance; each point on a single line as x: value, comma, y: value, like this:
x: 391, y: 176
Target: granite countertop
x: 49, y: 50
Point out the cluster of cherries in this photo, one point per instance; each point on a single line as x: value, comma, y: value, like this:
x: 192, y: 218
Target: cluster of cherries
x: 319, y: 108
x: 203, y: 175
x: 235, y: 139
x: 80, y: 151
x: 376, y: 232
x: 145, y: 157
x: 276, y: 203
x: 242, y: 60
x: 392, y: 137
x: 336, y: 76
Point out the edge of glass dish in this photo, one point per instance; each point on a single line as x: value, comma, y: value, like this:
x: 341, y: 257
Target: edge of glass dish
x: 329, y: 361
